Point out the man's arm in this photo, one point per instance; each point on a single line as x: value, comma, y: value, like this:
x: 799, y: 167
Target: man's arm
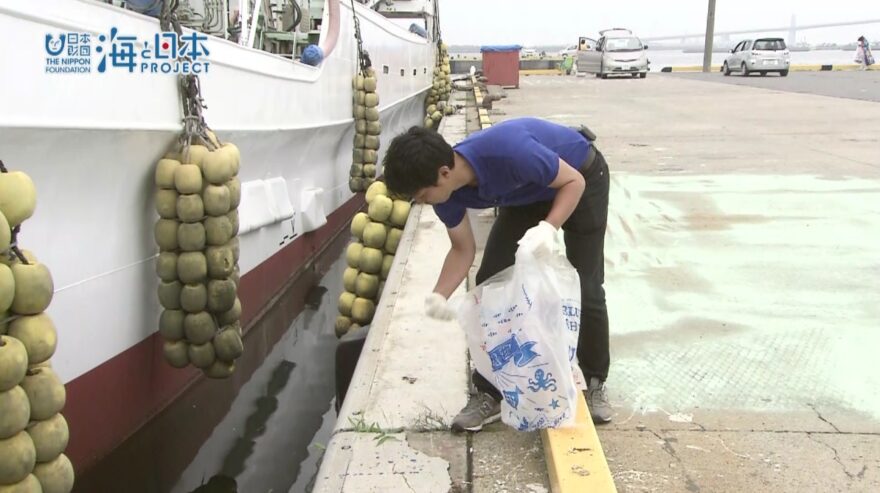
x: 570, y: 185
x: 458, y: 260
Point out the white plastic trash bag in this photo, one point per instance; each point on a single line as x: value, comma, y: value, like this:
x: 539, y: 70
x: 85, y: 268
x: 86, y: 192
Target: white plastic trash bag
x: 522, y: 326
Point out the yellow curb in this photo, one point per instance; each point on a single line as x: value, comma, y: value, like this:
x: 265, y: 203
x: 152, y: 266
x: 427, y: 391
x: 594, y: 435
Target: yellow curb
x: 484, y: 120
x: 805, y: 68
x: 575, y: 460
x: 483, y: 112
x: 852, y: 66
x: 540, y: 71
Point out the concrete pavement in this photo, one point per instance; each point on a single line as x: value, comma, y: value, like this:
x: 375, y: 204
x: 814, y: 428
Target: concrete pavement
x: 852, y: 84
x: 393, y: 431
x: 741, y: 264
x: 741, y: 267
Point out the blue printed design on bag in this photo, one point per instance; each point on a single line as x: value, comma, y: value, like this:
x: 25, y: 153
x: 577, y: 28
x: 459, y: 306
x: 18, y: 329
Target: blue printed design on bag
x: 501, y: 354
x: 554, y: 403
x: 512, y: 397
x: 572, y: 351
x: 542, y: 382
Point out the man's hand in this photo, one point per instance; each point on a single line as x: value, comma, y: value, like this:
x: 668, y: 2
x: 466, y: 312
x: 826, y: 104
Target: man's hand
x: 541, y: 239
x: 437, y: 307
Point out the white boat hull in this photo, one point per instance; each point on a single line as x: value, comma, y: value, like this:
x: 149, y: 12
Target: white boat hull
x: 90, y: 141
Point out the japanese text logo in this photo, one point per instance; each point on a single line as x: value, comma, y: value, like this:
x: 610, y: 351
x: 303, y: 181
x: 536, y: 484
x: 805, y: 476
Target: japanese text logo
x: 161, y: 53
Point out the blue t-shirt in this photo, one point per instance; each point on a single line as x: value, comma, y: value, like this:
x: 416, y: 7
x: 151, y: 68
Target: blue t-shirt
x: 514, y: 161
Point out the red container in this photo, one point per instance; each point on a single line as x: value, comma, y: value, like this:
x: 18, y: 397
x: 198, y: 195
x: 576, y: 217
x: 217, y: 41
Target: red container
x: 501, y: 65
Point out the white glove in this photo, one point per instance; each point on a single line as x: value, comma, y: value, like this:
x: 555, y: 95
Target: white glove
x: 437, y: 307
x: 541, y: 239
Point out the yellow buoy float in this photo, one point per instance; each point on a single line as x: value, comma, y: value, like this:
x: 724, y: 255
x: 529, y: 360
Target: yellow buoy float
x: 33, y: 433
x: 198, y: 255
x: 370, y: 256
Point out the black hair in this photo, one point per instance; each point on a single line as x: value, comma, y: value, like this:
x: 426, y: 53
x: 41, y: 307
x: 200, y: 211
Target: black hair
x: 862, y: 38
x: 413, y: 159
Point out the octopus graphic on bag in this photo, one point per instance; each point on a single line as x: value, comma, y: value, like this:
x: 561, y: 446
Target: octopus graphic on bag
x: 522, y: 326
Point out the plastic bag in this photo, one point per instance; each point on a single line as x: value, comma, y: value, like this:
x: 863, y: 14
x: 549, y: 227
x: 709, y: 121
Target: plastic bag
x: 522, y: 326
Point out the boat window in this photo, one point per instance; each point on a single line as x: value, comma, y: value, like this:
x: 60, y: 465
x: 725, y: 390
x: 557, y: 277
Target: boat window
x: 402, y: 72
x: 415, y: 72
x: 385, y: 69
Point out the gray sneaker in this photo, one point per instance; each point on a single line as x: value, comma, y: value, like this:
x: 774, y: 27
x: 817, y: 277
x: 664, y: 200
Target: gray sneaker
x: 480, y: 410
x: 597, y: 401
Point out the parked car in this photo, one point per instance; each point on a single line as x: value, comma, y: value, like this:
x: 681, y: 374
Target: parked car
x: 569, y: 51
x: 617, y: 52
x: 762, y: 55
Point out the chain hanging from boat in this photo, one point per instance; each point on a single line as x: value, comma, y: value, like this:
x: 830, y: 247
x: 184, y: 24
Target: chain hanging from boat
x: 33, y: 433
x: 197, y: 198
x: 365, y: 110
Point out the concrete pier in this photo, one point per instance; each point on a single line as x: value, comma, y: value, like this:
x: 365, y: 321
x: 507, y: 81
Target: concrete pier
x: 742, y: 257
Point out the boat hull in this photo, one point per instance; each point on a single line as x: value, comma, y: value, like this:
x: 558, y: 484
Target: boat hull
x: 90, y: 142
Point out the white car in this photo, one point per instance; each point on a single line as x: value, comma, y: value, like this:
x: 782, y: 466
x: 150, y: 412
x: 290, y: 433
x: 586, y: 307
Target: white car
x: 569, y: 51
x: 762, y: 55
x: 617, y: 52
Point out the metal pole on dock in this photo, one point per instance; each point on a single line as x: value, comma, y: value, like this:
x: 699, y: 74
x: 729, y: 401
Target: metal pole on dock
x: 710, y: 36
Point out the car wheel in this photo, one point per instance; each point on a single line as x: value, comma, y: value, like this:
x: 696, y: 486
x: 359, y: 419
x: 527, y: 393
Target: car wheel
x: 604, y: 76
x: 745, y: 70
x: 725, y: 69
x: 783, y: 73
x: 634, y: 75
x: 642, y: 75
x: 598, y: 75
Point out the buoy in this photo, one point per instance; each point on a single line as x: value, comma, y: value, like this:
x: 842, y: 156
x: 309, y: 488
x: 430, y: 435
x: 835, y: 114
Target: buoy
x: 50, y: 437
x: 55, y: 476
x: 45, y: 392
x: 15, y: 412
x: 18, y: 197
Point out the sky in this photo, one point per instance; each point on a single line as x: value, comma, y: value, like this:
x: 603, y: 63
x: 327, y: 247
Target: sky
x: 557, y: 22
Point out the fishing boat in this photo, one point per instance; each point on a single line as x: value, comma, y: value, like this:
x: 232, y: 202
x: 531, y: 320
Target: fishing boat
x: 90, y: 102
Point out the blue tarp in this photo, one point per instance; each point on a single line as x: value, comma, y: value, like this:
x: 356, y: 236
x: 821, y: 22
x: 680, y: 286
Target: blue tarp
x: 499, y: 48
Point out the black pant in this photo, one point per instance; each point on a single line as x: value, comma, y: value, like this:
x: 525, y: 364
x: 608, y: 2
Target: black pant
x: 584, y: 245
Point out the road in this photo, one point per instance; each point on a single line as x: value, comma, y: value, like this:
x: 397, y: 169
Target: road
x: 864, y: 86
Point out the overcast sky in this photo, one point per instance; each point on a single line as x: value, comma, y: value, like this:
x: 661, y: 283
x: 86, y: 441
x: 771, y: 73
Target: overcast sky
x: 562, y: 21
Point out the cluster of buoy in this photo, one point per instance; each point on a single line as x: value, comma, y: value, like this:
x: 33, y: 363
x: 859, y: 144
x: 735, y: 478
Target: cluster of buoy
x: 197, y: 198
x: 367, y: 130
x: 33, y: 433
x: 437, y: 103
x: 370, y: 256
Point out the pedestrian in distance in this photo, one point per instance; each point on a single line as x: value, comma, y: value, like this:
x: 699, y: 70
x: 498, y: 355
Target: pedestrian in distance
x: 864, y: 57
x: 542, y: 177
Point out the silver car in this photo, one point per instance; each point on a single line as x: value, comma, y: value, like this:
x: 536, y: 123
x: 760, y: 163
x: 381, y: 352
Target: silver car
x: 616, y: 52
x: 762, y: 55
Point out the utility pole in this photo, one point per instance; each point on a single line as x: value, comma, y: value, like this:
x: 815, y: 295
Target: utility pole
x: 710, y: 37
